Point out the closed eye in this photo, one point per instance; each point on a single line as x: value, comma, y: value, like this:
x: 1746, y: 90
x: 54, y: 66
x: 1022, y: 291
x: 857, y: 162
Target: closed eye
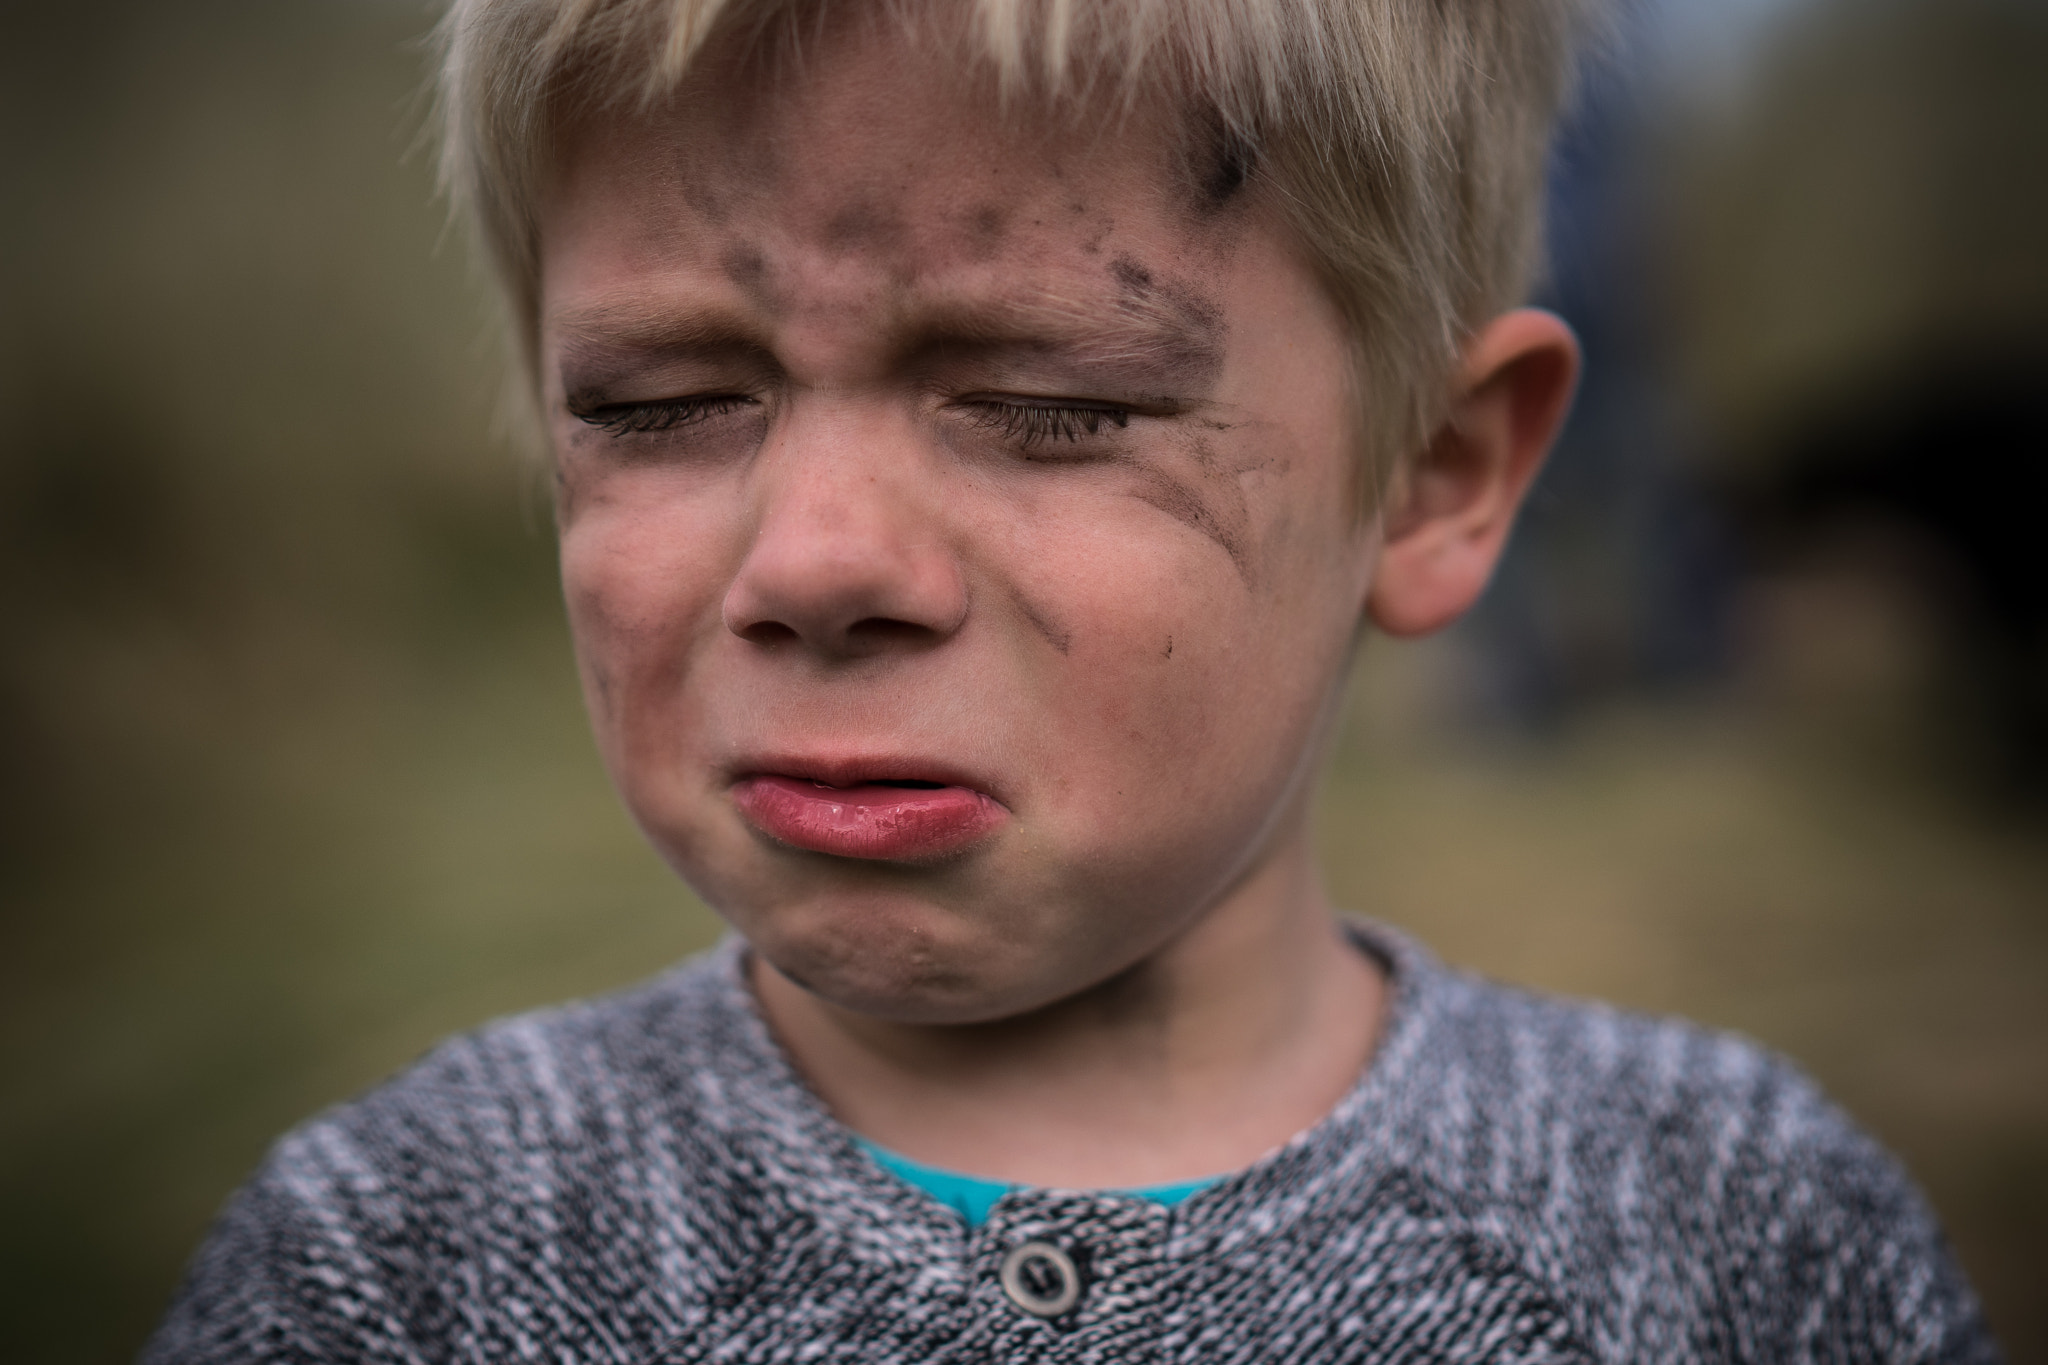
x: 667, y: 414
x: 1031, y: 424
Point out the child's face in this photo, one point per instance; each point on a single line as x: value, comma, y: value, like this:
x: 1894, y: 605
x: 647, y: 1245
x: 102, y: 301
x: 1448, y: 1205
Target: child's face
x: 898, y: 443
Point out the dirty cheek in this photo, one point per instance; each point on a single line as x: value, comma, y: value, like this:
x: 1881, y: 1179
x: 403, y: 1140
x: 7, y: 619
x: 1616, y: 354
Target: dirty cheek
x: 630, y: 620
x: 1218, y: 485
x: 1220, y: 519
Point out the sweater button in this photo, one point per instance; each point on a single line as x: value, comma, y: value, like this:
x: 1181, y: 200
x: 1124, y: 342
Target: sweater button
x: 1041, y: 1279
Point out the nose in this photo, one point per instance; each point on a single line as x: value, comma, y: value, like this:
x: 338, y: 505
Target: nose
x: 849, y: 556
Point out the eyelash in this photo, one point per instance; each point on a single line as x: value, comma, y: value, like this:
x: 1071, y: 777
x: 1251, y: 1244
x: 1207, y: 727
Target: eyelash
x: 639, y: 419
x: 1028, y: 424
x: 1031, y: 424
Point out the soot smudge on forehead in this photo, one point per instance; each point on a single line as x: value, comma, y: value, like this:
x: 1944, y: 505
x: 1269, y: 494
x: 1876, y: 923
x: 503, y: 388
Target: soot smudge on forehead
x: 1133, y: 276
x: 1219, y: 163
x: 863, y: 224
x: 989, y: 221
x: 745, y: 265
x: 1189, y: 322
x: 1227, y: 176
x: 985, y: 227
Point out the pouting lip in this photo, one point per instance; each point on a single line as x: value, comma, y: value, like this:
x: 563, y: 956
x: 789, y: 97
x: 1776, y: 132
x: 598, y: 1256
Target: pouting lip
x: 854, y: 771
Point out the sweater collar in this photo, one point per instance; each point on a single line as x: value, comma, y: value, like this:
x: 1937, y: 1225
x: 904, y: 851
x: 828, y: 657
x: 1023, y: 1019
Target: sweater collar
x: 812, y: 1166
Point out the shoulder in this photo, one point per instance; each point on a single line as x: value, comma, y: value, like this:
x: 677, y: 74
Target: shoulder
x: 1618, y: 1081
x: 1676, y: 1179
x: 553, y: 1091
x: 580, y: 1142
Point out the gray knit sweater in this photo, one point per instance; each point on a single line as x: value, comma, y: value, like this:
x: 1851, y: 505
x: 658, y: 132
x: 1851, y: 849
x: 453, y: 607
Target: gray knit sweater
x: 644, y: 1179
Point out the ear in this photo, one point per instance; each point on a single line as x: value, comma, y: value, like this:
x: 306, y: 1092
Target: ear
x: 1447, y: 517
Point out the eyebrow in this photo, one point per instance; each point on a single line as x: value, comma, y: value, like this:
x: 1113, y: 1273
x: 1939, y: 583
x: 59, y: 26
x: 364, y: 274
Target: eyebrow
x: 1141, y: 337
x: 609, y: 338
x: 1146, y: 337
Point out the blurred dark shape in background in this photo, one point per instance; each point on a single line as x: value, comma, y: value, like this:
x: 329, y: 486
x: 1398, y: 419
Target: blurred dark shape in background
x: 1865, y: 314
x: 1815, y: 312
x: 293, y: 774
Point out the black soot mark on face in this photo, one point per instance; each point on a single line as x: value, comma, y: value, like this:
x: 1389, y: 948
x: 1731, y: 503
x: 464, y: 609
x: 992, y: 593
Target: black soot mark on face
x: 1060, y: 640
x: 565, y: 497
x: 1182, y: 501
x: 601, y: 688
x: 862, y: 225
x: 747, y: 268
x: 1191, y: 328
x: 1228, y: 172
x: 1189, y: 324
x: 986, y: 227
x: 705, y: 203
x: 1217, y: 162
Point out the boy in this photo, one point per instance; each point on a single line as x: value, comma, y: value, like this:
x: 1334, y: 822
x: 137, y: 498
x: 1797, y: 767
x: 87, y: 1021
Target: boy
x: 980, y: 431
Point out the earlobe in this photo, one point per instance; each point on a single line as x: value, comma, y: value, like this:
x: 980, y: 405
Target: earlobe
x: 1447, y: 520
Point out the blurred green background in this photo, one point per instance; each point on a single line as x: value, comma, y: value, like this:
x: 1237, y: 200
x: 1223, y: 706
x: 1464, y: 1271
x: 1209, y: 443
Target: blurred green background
x: 294, y: 778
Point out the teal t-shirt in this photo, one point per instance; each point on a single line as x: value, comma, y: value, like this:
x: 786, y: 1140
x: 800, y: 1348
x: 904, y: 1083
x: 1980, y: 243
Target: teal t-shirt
x: 972, y: 1196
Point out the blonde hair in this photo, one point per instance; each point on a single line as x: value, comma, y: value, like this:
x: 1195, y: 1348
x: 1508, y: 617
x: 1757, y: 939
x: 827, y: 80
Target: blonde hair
x: 1404, y: 140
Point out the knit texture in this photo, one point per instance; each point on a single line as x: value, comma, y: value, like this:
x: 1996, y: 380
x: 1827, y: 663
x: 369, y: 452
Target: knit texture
x: 644, y: 1179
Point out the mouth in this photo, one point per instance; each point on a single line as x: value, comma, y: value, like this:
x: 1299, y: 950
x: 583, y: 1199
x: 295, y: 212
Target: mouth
x: 882, y: 819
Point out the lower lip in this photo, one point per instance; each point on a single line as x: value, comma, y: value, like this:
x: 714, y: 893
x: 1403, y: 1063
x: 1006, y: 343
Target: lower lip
x: 898, y: 824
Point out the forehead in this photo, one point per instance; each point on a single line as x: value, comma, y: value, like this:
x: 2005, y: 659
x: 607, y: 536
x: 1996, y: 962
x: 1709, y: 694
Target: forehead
x: 865, y: 148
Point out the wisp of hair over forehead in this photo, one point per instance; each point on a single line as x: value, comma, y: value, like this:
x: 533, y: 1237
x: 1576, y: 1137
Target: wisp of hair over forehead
x: 1403, y: 140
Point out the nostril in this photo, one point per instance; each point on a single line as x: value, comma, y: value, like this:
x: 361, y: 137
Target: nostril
x: 767, y: 633
x: 876, y: 632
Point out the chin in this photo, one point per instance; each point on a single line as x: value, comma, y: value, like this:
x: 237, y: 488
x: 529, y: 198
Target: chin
x: 885, y: 958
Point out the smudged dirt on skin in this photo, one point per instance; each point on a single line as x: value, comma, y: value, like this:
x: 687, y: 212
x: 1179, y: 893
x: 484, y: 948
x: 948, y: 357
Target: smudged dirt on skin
x: 744, y: 264
x: 1214, y: 503
x: 565, y: 496
x: 986, y: 227
x: 1181, y: 500
x: 1060, y: 640
x: 865, y: 223
x: 1219, y: 163
x: 600, y: 691
x: 1194, y: 320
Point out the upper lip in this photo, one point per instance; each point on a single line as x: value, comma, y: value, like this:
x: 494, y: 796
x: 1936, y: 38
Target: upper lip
x: 853, y: 770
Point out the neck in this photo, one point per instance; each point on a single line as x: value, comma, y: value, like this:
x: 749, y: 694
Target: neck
x: 1240, y: 1032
